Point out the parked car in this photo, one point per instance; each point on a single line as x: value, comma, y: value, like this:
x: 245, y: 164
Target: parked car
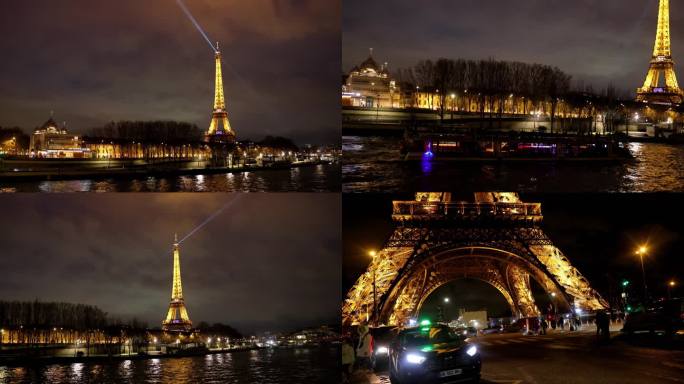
x: 526, y: 325
x: 433, y: 354
x: 382, y: 337
x: 490, y: 330
x: 665, y: 317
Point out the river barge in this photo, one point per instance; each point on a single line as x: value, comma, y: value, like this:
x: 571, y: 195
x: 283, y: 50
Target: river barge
x: 518, y: 148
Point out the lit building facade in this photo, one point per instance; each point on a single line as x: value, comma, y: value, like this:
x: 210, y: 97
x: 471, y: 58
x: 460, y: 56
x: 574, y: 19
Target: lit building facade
x: 369, y: 85
x: 50, y: 141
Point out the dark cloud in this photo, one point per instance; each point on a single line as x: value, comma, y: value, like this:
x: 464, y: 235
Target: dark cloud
x: 597, y: 41
x: 267, y: 261
x: 93, y: 62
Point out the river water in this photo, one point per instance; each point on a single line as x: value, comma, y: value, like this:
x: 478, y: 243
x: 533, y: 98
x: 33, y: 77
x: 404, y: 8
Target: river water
x: 268, y: 366
x: 319, y: 178
x: 373, y: 164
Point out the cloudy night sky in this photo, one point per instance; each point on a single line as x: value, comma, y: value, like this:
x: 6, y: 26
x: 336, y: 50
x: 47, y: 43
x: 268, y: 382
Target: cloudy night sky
x: 98, y: 61
x: 267, y: 262
x: 597, y: 232
x: 597, y: 41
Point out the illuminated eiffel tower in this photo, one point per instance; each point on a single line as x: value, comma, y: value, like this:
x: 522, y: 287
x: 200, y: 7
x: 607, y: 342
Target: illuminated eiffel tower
x: 669, y: 93
x: 177, y: 319
x: 496, y: 239
x: 219, y: 128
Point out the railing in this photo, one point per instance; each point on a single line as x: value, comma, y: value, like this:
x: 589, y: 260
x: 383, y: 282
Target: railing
x: 436, y: 210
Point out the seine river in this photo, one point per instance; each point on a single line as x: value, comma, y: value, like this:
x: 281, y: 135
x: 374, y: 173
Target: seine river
x: 291, y: 366
x: 373, y: 164
x: 319, y: 178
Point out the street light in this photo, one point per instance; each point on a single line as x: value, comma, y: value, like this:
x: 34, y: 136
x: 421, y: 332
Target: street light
x: 641, y: 252
x: 372, y: 254
x: 670, y: 285
x: 446, y: 299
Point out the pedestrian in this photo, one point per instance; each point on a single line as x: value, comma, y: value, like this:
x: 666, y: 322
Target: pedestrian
x: 599, y: 323
x: 544, y: 325
x: 364, y: 348
x: 605, y: 325
x: 348, y: 357
x: 561, y: 322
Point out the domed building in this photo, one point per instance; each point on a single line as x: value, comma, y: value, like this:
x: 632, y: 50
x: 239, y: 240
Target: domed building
x: 369, y: 85
x: 51, y: 141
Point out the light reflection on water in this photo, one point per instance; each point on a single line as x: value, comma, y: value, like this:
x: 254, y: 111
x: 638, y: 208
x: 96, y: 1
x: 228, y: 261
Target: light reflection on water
x: 373, y: 164
x: 270, y: 366
x: 319, y: 178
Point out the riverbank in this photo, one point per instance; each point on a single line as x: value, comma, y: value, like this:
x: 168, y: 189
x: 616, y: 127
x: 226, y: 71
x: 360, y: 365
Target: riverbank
x: 71, y: 173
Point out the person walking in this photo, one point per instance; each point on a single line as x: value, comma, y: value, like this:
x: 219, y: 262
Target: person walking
x: 348, y: 357
x: 544, y: 325
x: 602, y: 326
x: 364, y: 348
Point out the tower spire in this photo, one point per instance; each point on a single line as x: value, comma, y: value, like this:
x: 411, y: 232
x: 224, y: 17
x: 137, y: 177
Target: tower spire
x: 661, y: 64
x: 662, y: 42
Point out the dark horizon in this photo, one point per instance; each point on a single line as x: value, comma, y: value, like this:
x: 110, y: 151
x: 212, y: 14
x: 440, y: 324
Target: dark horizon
x: 252, y: 267
x: 597, y: 232
x: 598, y: 43
x: 146, y: 61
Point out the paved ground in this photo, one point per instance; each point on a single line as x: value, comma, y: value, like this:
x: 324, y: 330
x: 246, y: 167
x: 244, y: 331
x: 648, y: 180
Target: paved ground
x: 569, y: 357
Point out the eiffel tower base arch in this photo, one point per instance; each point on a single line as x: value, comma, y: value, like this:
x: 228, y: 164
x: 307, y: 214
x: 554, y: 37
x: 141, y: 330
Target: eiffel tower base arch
x: 435, y: 242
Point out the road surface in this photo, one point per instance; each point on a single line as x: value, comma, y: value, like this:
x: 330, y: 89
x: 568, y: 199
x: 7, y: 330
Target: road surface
x: 568, y: 357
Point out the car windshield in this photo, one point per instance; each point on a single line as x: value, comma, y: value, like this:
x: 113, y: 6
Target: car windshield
x: 433, y: 335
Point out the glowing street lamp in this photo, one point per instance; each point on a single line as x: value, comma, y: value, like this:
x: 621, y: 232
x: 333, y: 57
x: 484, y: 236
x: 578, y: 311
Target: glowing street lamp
x: 641, y: 252
x: 446, y: 300
x: 670, y: 284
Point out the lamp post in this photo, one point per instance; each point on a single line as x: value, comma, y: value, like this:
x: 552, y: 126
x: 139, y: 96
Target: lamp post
x: 453, y: 100
x: 375, y: 303
x: 641, y: 252
x: 670, y: 285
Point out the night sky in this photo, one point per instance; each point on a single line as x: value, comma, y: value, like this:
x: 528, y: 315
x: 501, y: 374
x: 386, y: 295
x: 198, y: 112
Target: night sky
x: 598, y: 41
x: 597, y: 232
x: 267, y: 262
x: 95, y: 62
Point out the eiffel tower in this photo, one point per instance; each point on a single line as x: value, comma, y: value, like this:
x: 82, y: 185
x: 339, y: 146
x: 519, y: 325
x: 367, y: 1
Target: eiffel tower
x: 177, y: 319
x: 219, y: 128
x: 496, y: 239
x: 661, y: 63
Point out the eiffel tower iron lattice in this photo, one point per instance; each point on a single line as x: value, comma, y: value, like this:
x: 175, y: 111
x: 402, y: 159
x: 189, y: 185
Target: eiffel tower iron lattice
x: 177, y: 319
x: 661, y: 63
x: 219, y: 128
x: 496, y: 239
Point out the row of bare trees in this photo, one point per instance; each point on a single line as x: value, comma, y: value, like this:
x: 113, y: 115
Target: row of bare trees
x: 149, y: 131
x: 493, y: 84
x: 33, y: 323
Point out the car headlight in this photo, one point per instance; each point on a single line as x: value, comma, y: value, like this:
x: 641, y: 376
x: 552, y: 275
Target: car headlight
x: 415, y: 359
x: 471, y: 351
x: 382, y: 351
